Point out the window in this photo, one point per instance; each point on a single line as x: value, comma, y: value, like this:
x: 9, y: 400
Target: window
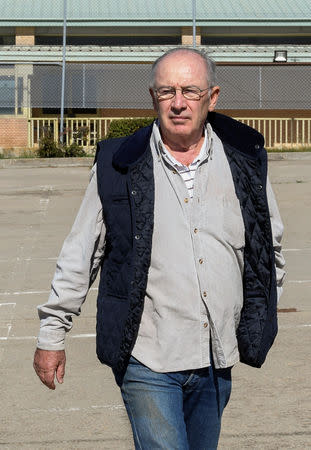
x: 7, y: 94
x: 109, y: 40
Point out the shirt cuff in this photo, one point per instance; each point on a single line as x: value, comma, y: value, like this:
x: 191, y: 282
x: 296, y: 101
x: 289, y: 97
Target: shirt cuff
x: 51, y: 339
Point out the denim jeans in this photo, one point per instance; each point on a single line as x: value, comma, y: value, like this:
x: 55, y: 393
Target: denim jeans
x: 175, y: 410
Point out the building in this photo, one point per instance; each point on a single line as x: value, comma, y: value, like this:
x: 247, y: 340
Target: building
x: 262, y: 48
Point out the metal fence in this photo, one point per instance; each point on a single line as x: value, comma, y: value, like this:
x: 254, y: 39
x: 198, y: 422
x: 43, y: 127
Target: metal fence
x: 125, y: 86
x: 33, y: 91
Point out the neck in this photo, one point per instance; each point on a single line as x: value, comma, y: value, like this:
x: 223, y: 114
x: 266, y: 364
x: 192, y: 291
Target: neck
x: 185, y: 154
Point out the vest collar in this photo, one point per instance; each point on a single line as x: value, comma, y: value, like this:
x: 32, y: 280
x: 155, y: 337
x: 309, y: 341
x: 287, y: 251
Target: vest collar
x: 240, y: 136
x: 236, y: 134
x: 133, y: 148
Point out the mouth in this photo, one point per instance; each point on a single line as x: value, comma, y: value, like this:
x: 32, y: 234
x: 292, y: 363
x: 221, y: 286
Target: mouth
x: 178, y: 118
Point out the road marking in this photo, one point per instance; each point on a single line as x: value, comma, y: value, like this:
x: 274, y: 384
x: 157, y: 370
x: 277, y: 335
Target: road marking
x: 295, y: 326
x: 74, y: 408
x: 296, y: 249
x: 29, y: 338
x: 93, y: 335
x: 6, y: 323
x: 35, y: 292
x: 6, y: 260
x: 299, y: 281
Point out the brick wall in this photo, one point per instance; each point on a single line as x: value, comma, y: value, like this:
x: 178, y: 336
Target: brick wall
x: 13, y: 132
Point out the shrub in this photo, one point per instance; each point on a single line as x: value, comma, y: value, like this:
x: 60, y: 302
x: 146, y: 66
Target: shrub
x: 125, y: 127
x: 73, y: 150
x: 48, y: 148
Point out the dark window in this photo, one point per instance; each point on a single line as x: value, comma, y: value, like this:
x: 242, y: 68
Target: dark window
x: 7, y: 94
x: 70, y: 111
x: 255, y: 40
x: 20, y: 94
x: 109, y: 40
x: 7, y: 40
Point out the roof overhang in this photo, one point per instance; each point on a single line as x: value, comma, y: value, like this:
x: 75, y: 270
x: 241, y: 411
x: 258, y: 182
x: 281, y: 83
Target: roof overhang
x: 147, y: 54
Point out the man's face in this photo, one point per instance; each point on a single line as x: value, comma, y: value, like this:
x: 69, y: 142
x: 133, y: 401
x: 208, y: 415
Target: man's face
x: 182, y: 119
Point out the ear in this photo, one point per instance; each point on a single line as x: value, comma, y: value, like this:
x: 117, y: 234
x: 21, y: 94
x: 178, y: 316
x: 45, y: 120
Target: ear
x: 213, y: 98
x: 154, y: 100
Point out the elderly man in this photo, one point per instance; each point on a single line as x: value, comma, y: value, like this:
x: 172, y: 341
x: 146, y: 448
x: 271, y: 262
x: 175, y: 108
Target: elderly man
x: 181, y: 219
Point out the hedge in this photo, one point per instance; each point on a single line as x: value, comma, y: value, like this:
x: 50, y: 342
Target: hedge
x: 125, y: 127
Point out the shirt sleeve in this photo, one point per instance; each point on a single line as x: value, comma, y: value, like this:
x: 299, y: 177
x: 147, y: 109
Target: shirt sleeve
x: 277, y: 233
x: 76, y: 269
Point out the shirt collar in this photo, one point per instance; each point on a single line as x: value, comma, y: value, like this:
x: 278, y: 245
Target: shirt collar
x: 162, y: 151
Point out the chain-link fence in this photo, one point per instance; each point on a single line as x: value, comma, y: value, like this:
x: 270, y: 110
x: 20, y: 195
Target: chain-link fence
x: 34, y: 91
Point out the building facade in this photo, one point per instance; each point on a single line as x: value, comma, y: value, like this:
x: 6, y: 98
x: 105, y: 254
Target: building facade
x: 262, y: 49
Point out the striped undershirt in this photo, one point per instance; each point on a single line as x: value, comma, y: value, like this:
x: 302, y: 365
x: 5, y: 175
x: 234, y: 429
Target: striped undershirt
x: 187, y: 172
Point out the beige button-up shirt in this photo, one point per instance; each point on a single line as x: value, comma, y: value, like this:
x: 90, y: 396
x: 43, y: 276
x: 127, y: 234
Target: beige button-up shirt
x: 194, y: 288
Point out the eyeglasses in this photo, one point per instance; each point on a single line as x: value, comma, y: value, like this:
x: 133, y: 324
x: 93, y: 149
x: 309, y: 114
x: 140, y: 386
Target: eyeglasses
x: 189, y: 92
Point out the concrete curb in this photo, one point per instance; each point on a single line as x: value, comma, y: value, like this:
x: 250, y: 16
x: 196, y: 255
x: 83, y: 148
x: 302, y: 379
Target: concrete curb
x: 30, y: 163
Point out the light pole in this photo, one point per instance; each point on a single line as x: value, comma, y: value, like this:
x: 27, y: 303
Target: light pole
x: 194, y: 23
x: 61, y: 134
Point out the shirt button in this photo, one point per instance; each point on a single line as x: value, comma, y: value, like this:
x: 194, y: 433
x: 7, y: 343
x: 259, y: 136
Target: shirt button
x: 201, y: 260
x: 195, y: 230
x: 204, y: 294
x: 137, y: 237
x: 134, y: 192
x: 186, y: 200
x: 205, y: 325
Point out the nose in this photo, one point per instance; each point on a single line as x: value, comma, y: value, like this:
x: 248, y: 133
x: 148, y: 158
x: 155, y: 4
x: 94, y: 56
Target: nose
x: 179, y: 101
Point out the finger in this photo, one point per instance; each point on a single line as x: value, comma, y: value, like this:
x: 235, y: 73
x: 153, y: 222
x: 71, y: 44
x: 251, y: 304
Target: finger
x: 60, y: 373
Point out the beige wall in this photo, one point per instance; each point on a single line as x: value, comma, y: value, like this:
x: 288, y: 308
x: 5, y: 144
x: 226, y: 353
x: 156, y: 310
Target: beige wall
x: 187, y: 36
x: 25, y: 36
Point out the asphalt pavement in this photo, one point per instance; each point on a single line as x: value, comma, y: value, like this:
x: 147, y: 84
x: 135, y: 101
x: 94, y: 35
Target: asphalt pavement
x: 270, y: 408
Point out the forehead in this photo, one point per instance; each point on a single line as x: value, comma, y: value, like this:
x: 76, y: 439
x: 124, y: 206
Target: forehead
x: 181, y: 68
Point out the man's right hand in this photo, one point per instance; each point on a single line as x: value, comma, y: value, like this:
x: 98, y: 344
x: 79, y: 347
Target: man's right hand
x: 47, y: 364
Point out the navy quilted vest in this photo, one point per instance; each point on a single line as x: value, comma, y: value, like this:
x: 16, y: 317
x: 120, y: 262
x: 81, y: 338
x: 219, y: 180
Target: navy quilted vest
x: 126, y: 189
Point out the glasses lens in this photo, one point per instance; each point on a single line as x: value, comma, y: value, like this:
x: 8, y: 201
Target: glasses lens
x: 191, y: 93
x: 165, y: 92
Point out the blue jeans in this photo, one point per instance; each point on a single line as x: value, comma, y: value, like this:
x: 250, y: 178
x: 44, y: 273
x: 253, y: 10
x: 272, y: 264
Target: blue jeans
x: 175, y: 410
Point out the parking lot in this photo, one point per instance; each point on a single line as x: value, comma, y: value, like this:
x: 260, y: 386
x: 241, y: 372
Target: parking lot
x: 270, y: 408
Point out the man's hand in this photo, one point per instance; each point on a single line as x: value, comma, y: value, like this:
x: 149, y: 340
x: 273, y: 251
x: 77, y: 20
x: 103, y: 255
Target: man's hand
x: 47, y: 364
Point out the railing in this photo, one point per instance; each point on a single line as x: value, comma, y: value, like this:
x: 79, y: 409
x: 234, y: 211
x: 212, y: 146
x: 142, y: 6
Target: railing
x: 84, y: 131
x: 278, y: 132
x: 282, y: 132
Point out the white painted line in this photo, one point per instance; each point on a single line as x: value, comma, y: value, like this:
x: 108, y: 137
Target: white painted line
x: 93, y: 335
x: 295, y: 326
x: 29, y: 338
x: 54, y: 258
x: 24, y: 293
x: 8, y: 304
x: 299, y: 281
x: 75, y: 409
x: 35, y: 292
x: 81, y: 336
x: 296, y: 249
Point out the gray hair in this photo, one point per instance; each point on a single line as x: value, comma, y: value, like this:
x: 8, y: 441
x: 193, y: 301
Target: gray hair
x: 209, y: 63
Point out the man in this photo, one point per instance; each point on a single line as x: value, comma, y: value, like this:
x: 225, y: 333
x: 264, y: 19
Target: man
x: 182, y: 221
